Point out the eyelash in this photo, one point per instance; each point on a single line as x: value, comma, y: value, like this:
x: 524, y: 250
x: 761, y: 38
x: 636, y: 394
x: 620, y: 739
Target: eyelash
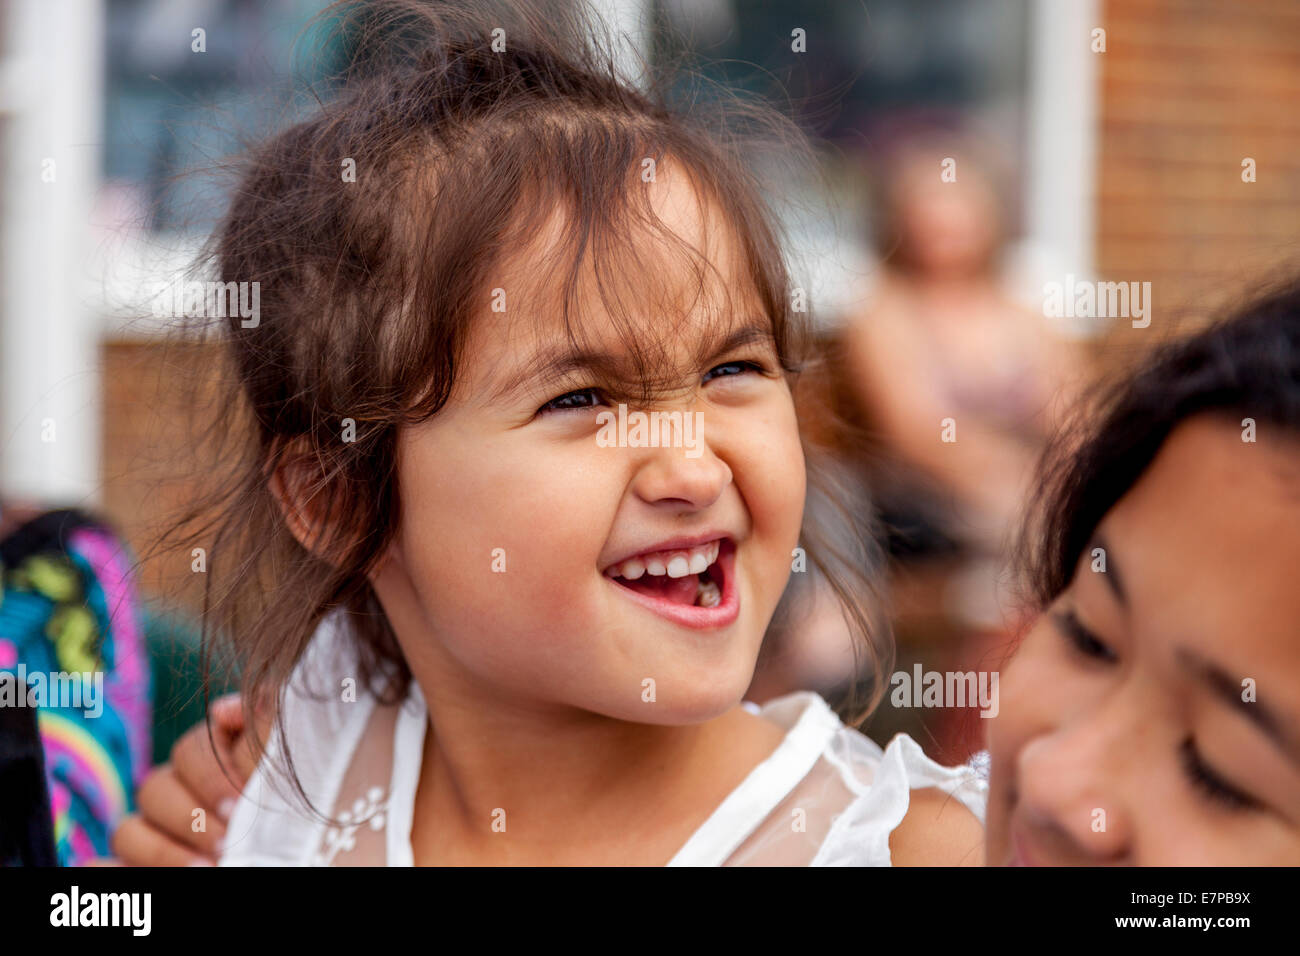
x: 1083, y: 640
x: 554, y: 404
x: 1211, y: 784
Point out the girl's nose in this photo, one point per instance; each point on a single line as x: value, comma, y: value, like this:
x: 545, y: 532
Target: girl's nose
x: 670, y: 476
x: 1071, y: 803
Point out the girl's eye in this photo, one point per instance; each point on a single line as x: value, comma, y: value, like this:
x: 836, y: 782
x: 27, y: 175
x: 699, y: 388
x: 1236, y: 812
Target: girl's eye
x: 592, y: 398
x: 1083, y: 640
x: 733, y: 368
x: 582, y: 398
x: 1214, y: 787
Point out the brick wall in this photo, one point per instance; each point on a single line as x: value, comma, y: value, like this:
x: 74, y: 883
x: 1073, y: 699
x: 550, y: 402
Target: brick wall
x: 149, y: 453
x: 1189, y: 88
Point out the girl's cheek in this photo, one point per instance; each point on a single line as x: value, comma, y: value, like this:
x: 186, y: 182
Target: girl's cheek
x: 511, y: 543
x: 775, y: 496
x: 774, y: 467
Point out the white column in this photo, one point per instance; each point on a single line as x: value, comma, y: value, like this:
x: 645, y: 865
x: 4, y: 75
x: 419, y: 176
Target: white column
x: 1060, y: 189
x: 51, y: 97
x: 630, y: 21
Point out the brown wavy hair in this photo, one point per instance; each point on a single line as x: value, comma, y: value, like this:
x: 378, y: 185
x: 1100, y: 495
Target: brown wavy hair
x: 460, y: 152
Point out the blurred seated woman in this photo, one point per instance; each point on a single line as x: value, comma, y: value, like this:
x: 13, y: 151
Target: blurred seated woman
x: 956, y: 383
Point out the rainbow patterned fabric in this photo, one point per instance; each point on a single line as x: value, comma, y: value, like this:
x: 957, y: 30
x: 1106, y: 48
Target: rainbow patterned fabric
x: 69, y: 613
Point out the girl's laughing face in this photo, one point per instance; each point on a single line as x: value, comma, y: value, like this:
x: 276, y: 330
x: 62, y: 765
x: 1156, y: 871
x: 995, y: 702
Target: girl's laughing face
x: 534, y: 560
x: 1152, y: 716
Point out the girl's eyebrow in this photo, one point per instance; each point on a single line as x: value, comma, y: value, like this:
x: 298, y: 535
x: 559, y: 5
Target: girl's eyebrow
x: 554, y: 363
x: 748, y: 334
x: 1228, y: 690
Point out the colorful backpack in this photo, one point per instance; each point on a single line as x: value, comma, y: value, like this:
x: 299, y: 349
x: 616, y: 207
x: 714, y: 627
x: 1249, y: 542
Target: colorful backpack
x: 72, y: 633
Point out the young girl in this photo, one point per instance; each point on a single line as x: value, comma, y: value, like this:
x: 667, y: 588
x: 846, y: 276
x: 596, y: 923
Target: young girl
x: 1152, y: 716
x: 493, y: 637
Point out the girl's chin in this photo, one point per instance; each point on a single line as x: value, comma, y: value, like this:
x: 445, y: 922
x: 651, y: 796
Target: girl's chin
x: 688, y: 700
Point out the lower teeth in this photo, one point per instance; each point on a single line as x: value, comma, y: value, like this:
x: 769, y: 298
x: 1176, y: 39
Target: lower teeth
x: 708, y: 595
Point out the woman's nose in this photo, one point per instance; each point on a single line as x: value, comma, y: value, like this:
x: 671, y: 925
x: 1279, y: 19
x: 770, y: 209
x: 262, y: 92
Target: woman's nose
x: 1071, y: 802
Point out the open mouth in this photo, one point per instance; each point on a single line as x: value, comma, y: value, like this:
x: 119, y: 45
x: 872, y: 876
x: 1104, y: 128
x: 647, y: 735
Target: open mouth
x: 691, y: 585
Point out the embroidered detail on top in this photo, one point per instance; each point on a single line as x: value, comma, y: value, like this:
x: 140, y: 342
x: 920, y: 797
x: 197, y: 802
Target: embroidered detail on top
x: 370, y: 810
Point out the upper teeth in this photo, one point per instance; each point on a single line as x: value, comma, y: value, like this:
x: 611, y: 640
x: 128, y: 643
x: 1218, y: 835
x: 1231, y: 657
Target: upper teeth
x: 675, y: 564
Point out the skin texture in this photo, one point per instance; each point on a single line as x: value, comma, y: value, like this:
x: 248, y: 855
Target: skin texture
x: 1204, y: 548
x: 938, y: 830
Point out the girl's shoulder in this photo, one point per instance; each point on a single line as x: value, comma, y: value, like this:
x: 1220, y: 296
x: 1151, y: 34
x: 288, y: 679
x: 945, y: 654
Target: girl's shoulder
x: 828, y: 795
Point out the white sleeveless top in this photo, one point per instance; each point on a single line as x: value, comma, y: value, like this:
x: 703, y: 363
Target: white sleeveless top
x: 827, y: 796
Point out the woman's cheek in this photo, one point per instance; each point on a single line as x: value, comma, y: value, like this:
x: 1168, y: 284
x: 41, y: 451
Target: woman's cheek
x: 1025, y: 710
x: 1047, y: 684
x: 1030, y: 693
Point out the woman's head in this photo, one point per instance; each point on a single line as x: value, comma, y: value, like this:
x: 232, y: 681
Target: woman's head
x: 1152, y: 715
x: 940, y: 216
x: 480, y: 244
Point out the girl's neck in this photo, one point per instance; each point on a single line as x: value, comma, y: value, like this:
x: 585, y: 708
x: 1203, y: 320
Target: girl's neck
x: 568, y: 785
x: 504, y: 784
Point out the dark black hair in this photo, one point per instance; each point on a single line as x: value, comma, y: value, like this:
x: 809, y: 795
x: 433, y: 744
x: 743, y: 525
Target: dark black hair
x: 1245, y: 366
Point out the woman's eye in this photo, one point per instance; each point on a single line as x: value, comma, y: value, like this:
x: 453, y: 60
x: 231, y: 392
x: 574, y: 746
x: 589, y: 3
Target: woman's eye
x: 1083, y: 640
x: 732, y: 368
x: 582, y: 398
x: 1210, y: 783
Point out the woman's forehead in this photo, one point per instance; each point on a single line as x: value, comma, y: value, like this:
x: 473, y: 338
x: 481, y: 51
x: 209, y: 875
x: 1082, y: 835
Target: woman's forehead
x: 1211, y: 533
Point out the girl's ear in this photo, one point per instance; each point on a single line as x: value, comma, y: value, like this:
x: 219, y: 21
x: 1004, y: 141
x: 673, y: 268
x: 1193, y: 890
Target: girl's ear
x: 303, y: 509
x: 296, y: 485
